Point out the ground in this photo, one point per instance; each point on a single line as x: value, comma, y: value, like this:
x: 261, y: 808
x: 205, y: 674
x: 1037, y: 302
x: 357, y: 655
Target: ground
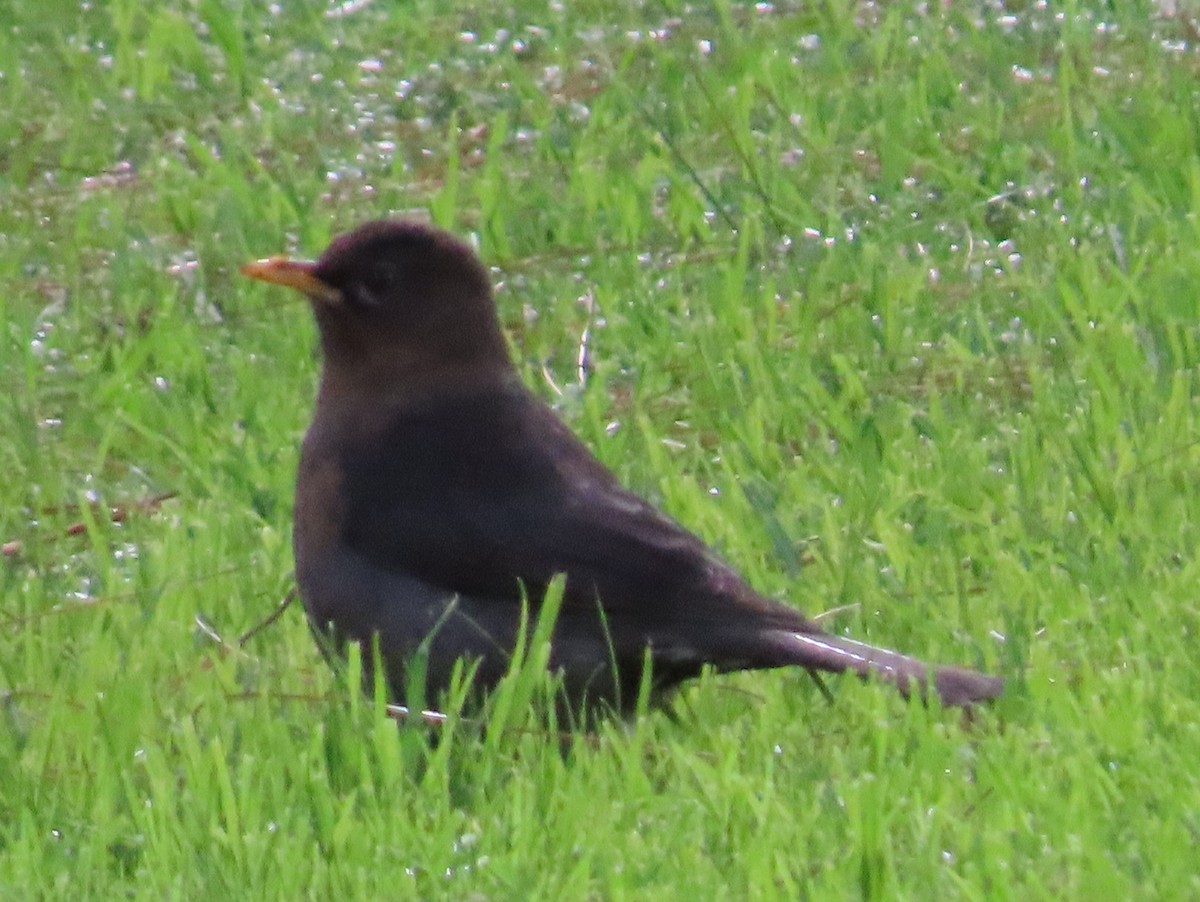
x: 893, y: 303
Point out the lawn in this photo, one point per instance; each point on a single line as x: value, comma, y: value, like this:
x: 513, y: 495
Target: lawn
x: 893, y: 303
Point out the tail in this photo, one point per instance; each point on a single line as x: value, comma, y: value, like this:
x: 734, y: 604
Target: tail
x: 956, y: 686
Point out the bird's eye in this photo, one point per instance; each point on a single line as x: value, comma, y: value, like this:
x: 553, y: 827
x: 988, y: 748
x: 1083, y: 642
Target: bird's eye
x: 375, y: 285
x: 382, y: 277
x: 363, y: 294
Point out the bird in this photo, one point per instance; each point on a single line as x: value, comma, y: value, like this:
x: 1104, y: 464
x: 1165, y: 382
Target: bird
x: 436, y: 495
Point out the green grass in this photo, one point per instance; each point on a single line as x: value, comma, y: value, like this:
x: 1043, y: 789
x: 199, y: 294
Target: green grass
x: 896, y: 304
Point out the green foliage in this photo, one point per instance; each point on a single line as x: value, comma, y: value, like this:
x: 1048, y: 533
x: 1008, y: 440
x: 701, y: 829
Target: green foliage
x: 893, y: 303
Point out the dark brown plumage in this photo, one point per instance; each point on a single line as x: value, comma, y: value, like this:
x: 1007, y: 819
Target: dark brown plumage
x: 434, y: 486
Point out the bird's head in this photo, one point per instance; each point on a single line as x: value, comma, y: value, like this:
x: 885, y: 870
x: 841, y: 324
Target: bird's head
x: 398, y: 291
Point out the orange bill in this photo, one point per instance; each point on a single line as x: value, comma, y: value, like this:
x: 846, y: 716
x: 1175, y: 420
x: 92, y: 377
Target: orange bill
x: 298, y: 274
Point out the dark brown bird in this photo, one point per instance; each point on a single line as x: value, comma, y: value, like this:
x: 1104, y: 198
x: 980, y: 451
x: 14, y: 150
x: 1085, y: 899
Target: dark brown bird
x: 435, y: 492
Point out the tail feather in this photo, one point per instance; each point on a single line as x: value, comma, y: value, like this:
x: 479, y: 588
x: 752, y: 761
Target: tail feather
x: 821, y: 651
